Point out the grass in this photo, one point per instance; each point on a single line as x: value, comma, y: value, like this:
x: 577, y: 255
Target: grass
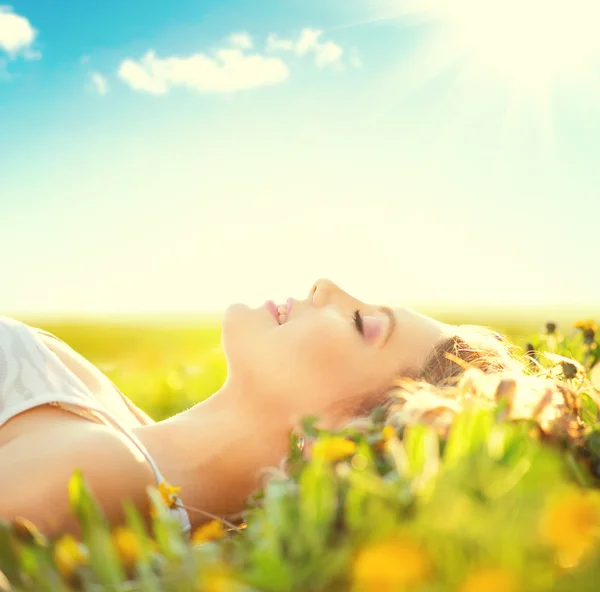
x: 462, y: 489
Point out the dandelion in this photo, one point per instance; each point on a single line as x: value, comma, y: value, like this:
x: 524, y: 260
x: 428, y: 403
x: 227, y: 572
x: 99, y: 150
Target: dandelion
x: 333, y: 449
x: 490, y: 579
x: 69, y: 554
x: 388, y: 433
x: 392, y: 563
x: 570, y: 525
x: 589, y: 329
x: 586, y: 324
x: 210, y: 531
x: 168, y: 493
x: 127, y: 545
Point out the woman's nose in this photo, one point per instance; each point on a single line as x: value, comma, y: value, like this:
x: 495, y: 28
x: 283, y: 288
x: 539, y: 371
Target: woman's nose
x: 320, y: 293
x: 326, y: 292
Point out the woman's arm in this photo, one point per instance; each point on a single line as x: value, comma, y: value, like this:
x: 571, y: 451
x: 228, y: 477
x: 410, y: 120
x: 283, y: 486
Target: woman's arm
x: 44, y: 446
x: 212, y: 451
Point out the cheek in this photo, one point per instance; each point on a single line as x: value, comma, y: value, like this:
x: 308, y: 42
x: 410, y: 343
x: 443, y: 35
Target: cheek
x: 311, y: 357
x: 322, y: 358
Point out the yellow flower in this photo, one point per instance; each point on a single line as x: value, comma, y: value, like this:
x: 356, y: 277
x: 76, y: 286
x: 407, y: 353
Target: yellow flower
x: 126, y: 544
x: 388, y: 432
x: 570, y: 524
x: 208, y: 532
x: 333, y: 449
x: 168, y: 493
x: 586, y: 325
x: 490, y: 579
x: 69, y: 554
x: 392, y: 563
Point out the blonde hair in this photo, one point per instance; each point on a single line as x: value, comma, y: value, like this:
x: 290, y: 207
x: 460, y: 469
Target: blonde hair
x: 470, y: 346
x: 477, y: 367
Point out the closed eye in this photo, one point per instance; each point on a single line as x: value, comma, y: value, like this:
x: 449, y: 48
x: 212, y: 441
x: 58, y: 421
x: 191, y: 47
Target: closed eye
x: 358, y: 321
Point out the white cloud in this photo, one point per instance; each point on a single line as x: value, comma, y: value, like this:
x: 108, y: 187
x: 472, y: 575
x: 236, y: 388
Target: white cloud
x: 325, y: 53
x: 99, y: 83
x: 241, y: 40
x: 276, y: 44
x: 328, y: 54
x: 229, y: 70
x: 308, y: 41
x: 16, y: 34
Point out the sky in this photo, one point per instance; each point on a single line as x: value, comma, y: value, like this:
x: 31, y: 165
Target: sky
x: 182, y: 156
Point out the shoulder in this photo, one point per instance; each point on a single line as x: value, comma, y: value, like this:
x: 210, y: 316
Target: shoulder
x: 10, y: 325
x: 18, y: 336
x: 10, y: 329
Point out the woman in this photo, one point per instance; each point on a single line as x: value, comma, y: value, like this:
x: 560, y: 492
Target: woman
x: 329, y: 355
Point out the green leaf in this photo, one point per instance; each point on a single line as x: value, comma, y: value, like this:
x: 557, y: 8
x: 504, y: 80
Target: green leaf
x: 167, y: 530
x: 470, y: 432
x: 9, y: 561
x: 104, y: 560
x: 148, y: 579
x: 318, y: 502
x: 422, y: 450
x: 309, y: 426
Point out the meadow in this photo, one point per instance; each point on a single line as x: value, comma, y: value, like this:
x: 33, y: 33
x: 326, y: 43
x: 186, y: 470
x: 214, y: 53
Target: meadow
x: 489, y: 485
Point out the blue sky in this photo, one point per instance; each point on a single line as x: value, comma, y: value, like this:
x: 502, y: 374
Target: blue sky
x: 185, y: 155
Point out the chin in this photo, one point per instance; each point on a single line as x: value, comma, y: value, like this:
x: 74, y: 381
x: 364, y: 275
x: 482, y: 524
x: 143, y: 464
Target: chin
x: 230, y: 320
x: 234, y: 312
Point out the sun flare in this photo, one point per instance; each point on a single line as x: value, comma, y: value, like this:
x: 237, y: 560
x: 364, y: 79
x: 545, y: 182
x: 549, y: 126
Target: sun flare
x: 527, y: 45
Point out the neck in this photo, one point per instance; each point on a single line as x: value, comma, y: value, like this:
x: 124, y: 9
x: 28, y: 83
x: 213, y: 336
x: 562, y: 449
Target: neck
x: 215, y: 453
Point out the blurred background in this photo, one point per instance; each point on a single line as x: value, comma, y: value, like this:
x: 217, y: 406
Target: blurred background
x: 160, y: 161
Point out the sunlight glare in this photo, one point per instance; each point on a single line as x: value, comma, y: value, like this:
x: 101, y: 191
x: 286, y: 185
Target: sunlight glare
x: 530, y: 44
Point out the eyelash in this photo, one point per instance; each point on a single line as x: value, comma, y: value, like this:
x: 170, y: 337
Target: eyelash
x: 358, y: 321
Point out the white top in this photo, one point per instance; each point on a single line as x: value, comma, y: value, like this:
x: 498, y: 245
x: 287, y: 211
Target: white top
x: 31, y: 374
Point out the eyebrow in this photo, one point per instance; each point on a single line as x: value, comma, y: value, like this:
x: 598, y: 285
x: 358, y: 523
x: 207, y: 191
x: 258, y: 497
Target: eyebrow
x: 390, y: 313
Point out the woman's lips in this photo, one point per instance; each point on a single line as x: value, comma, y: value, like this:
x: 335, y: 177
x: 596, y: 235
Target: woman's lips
x: 272, y: 308
x: 278, y: 315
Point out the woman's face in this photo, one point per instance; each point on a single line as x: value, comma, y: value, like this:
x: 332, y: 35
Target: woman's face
x: 316, y: 359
